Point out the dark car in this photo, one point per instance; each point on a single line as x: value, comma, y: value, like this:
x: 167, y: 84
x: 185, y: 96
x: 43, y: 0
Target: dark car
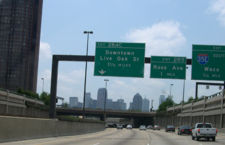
x: 184, y: 129
x: 170, y: 128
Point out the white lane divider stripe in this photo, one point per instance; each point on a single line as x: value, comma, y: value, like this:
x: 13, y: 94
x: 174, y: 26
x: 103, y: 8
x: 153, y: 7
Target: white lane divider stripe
x: 96, y: 143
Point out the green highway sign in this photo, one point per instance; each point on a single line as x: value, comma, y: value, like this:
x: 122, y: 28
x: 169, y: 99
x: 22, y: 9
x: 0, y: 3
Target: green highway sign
x: 208, y: 62
x: 167, y: 67
x: 119, y: 59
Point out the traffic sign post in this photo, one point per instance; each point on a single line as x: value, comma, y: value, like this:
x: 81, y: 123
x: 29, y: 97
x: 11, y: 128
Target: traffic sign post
x: 208, y: 62
x: 119, y: 59
x: 167, y: 67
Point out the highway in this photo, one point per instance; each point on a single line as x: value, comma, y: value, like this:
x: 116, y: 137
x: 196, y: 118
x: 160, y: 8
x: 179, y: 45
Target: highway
x: 121, y: 137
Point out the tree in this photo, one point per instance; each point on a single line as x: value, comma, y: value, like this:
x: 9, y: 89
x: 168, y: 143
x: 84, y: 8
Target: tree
x: 45, y: 97
x: 29, y: 94
x: 190, y: 99
x: 168, y: 103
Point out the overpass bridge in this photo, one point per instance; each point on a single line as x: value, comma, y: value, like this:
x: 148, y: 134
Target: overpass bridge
x: 100, y: 113
x: 138, y: 118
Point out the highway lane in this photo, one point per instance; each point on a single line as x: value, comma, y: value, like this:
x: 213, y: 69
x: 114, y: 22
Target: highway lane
x: 121, y: 137
x: 170, y: 138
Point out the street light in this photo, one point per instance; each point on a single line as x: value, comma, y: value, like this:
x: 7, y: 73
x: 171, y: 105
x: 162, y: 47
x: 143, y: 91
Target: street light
x: 183, y: 92
x: 43, y: 83
x: 171, y: 89
x: 85, y: 78
x: 106, y: 80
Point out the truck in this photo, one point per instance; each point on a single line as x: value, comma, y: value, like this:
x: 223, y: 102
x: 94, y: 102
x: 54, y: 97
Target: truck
x: 204, y: 130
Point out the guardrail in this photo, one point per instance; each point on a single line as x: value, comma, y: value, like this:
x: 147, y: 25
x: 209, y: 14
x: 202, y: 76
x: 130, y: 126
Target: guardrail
x: 11, y: 99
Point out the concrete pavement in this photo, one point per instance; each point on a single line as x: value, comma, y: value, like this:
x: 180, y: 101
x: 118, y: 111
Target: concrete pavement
x: 121, y: 137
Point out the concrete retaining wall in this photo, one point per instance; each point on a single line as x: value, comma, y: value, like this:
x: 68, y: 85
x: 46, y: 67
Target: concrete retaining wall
x: 175, y: 120
x: 19, y: 128
x: 23, y: 111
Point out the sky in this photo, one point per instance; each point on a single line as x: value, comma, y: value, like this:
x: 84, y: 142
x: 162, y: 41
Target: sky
x: 167, y: 27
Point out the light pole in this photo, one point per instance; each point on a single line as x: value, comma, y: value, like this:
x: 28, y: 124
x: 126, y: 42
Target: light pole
x: 171, y: 89
x: 183, y: 92
x: 43, y: 83
x: 85, y: 78
x: 106, y: 80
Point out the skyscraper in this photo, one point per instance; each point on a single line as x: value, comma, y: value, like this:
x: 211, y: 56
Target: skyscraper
x: 88, y: 100
x: 145, y: 105
x: 121, y: 104
x: 102, y: 95
x: 73, y: 102
x: 20, y: 23
x: 137, y: 102
x: 162, y: 99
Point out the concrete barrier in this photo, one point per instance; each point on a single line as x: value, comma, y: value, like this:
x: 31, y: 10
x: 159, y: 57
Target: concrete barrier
x: 19, y: 128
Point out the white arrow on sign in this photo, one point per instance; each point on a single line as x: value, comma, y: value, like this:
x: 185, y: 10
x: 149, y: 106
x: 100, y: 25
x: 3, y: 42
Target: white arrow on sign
x: 102, y: 72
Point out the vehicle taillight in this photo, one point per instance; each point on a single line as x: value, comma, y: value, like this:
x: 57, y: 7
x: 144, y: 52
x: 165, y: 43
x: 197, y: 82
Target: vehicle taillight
x: 198, y: 130
x: 182, y: 130
x: 190, y: 129
x: 216, y: 130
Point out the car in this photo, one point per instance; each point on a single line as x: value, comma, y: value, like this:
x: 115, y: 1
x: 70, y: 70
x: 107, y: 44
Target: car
x: 184, y: 129
x: 204, y: 130
x: 170, y: 128
x: 156, y: 127
x: 110, y: 125
x: 129, y: 126
x: 119, y: 126
x: 149, y: 127
x: 142, y: 127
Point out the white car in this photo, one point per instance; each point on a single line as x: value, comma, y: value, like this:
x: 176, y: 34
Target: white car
x: 204, y: 130
x: 142, y: 127
x: 129, y: 126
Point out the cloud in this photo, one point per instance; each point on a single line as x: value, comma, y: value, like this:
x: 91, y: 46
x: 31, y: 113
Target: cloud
x: 72, y: 77
x: 45, y: 51
x: 163, y: 38
x: 218, y: 7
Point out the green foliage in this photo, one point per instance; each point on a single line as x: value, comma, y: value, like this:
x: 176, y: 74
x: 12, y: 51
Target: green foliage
x: 190, y: 99
x: 28, y: 94
x: 45, y: 97
x: 168, y: 103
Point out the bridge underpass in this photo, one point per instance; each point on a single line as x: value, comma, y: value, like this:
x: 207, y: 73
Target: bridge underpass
x: 138, y: 118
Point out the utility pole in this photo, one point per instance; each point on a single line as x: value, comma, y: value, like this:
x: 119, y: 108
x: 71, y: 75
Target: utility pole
x: 106, y: 80
x: 85, y: 77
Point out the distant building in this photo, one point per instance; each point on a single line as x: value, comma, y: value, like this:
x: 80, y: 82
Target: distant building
x: 109, y: 104
x: 20, y: 27
x: 93, y: 104
x: 131, y: 106
x: 162, y: 99
x: 121, y: 104
x: 101, y: 96
x: 145, y: 105
x: 137, y: 102
x: 73, y: 102
x: 88, y: 100
x: 80, y: 105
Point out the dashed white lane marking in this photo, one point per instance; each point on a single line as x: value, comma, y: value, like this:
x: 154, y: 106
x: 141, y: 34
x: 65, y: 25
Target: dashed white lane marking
x: 148, y: 144
x: 96, y: 143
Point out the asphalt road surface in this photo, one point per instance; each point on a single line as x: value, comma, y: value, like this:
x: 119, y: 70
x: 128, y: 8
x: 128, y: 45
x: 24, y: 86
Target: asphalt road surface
x: 122, y: 137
